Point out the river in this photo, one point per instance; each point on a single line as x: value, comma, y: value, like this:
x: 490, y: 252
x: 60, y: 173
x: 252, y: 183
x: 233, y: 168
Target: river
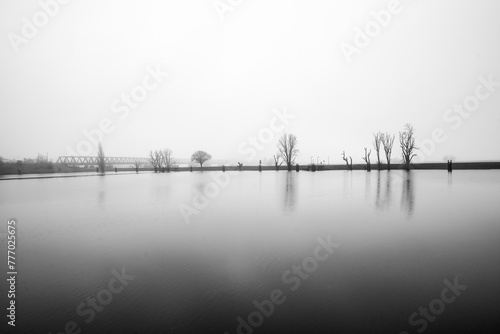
x: 269, y: 252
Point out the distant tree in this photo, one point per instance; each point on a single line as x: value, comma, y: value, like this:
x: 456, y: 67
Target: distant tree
x: 287, y: 148
x: 377, y: 143
x: 349, y: 166
x: 101, y: 158
x: 154, y: 159
x: 277, y: 162
x: 41, y: 159
x: 167, y: 158
x: 200, y: 157
x: 407, y: 143
x: 239, y: 166
x: 449, y: 157
x: 151, y: 159
x: 388, y: 141
x: 366, y: 158
x: 136, y: 165
x: 1, y: 161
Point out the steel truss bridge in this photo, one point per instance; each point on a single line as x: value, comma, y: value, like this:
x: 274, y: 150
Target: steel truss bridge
x: 93, y: 160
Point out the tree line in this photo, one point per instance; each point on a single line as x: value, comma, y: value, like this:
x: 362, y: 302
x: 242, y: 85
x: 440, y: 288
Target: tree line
x: 287, y: 152
x: 385, y: 142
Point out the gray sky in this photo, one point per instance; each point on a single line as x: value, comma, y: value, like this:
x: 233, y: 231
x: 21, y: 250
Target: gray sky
x: 227, y: 75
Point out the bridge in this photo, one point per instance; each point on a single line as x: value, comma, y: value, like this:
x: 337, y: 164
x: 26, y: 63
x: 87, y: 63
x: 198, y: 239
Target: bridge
x: 93, y: 160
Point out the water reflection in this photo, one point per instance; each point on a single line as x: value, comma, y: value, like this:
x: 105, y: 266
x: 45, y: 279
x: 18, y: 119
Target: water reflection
x: 378, y: 203
x: 347, y: 184
x: 368, y: 186
x: 383, y: 196
x: 408, y: 197
x: 290, y: 193
x: 230, y: 265
x: 388, y: 191
x: 102, y: 197
x: 101, y: 192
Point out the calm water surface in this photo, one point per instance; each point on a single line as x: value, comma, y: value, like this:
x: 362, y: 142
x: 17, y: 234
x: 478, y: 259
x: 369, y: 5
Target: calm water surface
x: 401, y: 236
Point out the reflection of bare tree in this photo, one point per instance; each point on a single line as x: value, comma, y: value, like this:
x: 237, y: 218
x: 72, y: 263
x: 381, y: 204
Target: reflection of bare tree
x: 383, y: 197
x: 408, y: 198
x: 377, y: 196
x: 290, y: 193
x: 388, y: 191
x: 368, y: 186
x: 347, y: 184
x: 101, y: 199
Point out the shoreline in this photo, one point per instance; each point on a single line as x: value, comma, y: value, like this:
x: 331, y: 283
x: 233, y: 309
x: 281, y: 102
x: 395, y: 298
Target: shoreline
x: 358, y: 167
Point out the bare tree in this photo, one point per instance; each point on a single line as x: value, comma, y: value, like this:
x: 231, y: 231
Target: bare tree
x: 101, y: 158
x: 239, y: 166
x: 200, y: 157
x: 159, y: 160
x: 377, y: 143
x: 366, y: 158
x: 167, y: 158
x: 388, y: 141
x: 19, y: 165
x: 136, y: 165
x: 407, y: 143
x: 287, y: 149
x: 155, y: 159
x: 277, y: 162
x: 349, y: 166
x: 41, y: 159
x: 151, y: 159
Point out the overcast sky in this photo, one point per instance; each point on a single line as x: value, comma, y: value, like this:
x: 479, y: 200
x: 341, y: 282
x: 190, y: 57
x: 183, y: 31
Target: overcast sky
x: 230, y: 67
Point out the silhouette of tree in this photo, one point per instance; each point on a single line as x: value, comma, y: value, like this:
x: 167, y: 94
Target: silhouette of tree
x: 287, y: 149
x: 101, y: 158
x: 277, y: 162
x: 200, y: 157
x: 136, y: 165
x: 388, y: 142
x: 349, y: 166
x: 407, y: 143
x: 366, y: 158
x: 167, y: 158
x: 155, y: 159
x: 377, y: 143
